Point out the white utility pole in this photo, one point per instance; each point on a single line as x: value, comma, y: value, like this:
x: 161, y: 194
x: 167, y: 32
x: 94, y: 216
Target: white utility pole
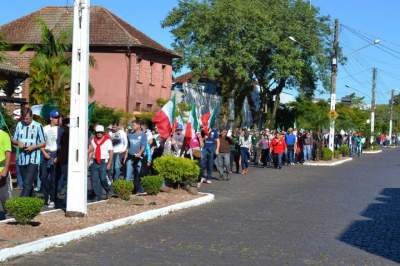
x: 78, y: 135
x: 374, y: 74
x: 333, y: 86
x: 391, y: 117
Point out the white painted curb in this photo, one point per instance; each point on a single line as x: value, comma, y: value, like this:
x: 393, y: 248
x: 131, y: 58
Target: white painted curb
x: 372, y: 152
x: 57, y: 240
x: 328, y: 163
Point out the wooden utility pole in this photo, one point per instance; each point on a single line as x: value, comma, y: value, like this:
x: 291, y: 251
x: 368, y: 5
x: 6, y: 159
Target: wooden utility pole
x: 335, y: 51
x: 374, y: 74
x: 391, y: 116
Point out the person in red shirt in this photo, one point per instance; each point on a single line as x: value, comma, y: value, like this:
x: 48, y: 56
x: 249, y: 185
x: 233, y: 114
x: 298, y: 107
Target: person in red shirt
x: 278, y: 147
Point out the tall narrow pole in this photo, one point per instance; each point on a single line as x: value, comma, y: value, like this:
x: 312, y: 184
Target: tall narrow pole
x: 333, y: 85
x: 78, y: 136
x: 374, y: 74
x: 391, y: 117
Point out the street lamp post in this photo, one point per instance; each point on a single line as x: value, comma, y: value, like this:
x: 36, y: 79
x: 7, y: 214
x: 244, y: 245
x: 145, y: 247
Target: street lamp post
x: 78, y: 135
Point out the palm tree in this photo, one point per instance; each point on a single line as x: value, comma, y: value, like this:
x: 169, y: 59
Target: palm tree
x: 50, y: 69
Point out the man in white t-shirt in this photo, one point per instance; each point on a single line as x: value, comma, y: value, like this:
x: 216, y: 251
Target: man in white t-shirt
x: 49, y: 158
x: 120, y: 144
x: 101, y: 154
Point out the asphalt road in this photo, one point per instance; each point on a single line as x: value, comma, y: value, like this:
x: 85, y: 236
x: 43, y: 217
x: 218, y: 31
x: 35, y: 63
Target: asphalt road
x: 344, y: 215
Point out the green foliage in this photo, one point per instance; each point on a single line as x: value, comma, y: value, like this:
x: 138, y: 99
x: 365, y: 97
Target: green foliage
x: 344, y: 150
x: 152, y: 184
x: 9, y: 122
x: 326, y: 154
x: 104, y: 115
x: 123, y: 188
x: 183, y: 107
x: 232, y: 41
x: 352, y: 117
x: 161, y: 102
x: 311, y: 115
x: 374, y: 147
x: 50, y: 69
x: 337, y: 154
x: 24, y: 209
x: 177, y: 170
x: 145, y: 117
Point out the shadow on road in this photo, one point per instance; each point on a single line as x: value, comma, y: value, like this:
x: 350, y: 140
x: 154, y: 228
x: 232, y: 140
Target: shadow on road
x: 380, y: 234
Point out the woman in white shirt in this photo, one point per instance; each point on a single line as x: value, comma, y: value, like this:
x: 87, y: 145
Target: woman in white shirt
x: 245, y: 146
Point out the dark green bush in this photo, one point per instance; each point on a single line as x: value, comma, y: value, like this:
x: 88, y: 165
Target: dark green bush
x: 344, y: 150
x: 326, y: 154
x: 123, y: 188
x: 177, y: 170
x: 152, y: 184
x: 375, y: 147
x: 23, y: 209
x: 336, y: 154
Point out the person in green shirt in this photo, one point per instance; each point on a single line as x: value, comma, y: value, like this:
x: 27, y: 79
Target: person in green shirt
x: 5, y: 155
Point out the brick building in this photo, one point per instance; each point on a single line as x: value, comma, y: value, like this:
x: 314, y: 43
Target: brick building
x: 132, y: 70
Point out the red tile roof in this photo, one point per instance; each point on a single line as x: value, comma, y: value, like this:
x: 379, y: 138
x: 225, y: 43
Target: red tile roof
x: 106, y: 29
x: 18, y: 64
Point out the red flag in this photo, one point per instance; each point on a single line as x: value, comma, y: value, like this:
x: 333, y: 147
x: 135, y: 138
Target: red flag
x: 204, y: 121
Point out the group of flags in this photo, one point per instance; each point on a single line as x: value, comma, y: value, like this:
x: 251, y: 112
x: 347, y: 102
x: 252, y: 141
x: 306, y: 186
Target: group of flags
x: 167, y: 122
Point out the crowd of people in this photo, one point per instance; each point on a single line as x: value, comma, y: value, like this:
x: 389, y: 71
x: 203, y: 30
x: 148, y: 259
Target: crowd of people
x: 115, y: 152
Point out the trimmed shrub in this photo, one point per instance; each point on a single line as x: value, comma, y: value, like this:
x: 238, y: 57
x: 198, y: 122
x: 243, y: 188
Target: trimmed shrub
x: 177, y: 170
x: 375, y: 147
x: 152, y: 184
x: 336, y: 154
x: 123, y: 188
x: 24, y: 209
x: 344, y: 150
x: 326, y: 154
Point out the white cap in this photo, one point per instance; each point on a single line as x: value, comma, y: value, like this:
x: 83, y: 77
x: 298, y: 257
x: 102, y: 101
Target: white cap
x: 99, y: 128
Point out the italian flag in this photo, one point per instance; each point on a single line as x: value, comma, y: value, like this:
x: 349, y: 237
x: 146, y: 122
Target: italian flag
x: 165, y: 118
x: 208, y: 120
x: 192, y: 126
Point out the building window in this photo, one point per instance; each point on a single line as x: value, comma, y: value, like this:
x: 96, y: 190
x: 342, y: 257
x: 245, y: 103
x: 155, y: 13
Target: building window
x: 149, y: 107
x: 138, y: 68
x: 151, y: 72
x: 163, y: 69
x: 137, y: 107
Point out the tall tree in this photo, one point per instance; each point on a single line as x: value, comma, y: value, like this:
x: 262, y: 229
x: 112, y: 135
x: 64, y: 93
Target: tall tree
x: 50, y: 69
x: 239, y: 41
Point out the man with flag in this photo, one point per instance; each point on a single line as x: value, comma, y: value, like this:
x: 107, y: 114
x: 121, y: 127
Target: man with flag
x: 192, y: 140
x: 165, y: 119
x: 211, y: 141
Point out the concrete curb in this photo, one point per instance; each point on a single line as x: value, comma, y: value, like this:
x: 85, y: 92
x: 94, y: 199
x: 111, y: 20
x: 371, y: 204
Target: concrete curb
x: 372, y: 152
x: 328, y: 163
x: 57, y: 240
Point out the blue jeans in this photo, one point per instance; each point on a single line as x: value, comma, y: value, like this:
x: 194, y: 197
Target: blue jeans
x: 245, y: 154
x: 307, y: 152
x: 207, y: 161
x: 116, y: 166
x: 133, y: 169
x: 20, y: 181
x: 278, y: 159
x: 48, y: 177
x: 63, y: 180
x: 290, y: 153
x: 28, y: 172
x: 99, y: 178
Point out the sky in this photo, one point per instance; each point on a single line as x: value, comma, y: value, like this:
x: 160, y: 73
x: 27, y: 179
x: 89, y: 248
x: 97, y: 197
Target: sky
x: 371, y: 19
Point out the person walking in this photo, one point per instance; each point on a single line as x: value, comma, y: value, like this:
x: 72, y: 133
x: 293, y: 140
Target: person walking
x: 5, y: 157
x: 291, y: 141
x: 137, y: 141
x: 245, y: 147
x: 235, y: 152
x: 120, y: 144
x: 223, y: 155
x: 264, y: 144
x: 101, y: 156
x: 49, y: 160
x: 307, y: 145
x: 29, y: 137
x: 211, y: 141
x: 278, y: 146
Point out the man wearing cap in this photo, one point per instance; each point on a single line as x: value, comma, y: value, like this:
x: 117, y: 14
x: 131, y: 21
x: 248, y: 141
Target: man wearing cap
x: 120, y: 144
x: 101, y: 154
x: 49, y: 158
